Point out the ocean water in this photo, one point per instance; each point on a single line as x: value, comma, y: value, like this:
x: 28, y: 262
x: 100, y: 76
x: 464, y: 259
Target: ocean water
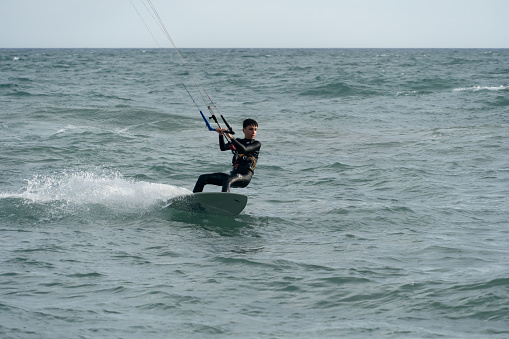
x: 379, y: 207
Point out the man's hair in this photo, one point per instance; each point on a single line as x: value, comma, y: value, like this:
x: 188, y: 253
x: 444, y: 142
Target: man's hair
x: 249, y: 122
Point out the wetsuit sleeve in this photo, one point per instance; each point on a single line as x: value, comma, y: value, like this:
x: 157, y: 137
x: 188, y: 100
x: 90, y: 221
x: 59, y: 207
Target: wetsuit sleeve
x: 222, y: 145
x: 255, y: 146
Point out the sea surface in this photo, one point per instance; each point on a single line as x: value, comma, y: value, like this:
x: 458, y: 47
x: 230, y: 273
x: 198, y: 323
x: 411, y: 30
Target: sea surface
x: 379, y: 207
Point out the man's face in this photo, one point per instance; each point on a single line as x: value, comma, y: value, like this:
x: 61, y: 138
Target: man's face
x: 250, y: 131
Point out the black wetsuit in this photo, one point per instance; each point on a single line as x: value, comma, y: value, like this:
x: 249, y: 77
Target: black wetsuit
x: 245, y: 157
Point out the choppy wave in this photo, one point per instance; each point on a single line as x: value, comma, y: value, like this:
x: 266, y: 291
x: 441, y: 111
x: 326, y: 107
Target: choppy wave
x: 378, y: 208
x: 482, y: 88
x: 71, y: 192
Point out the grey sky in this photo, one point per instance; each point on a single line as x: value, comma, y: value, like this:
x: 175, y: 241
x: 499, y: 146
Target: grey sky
x: 260, y: 23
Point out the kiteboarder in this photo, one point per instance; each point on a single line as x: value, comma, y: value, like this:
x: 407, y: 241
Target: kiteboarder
x: 245, y: 156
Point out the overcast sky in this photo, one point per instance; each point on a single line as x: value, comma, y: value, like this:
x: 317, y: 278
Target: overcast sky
x: 257, y: 23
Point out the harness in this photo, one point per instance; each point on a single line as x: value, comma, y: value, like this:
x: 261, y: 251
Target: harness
x: 245, y: 158
x: 250, y: 159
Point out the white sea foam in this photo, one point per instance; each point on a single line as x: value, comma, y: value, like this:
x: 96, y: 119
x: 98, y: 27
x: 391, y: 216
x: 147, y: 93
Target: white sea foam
x: 481, y: 88
x: 62, y: 130
x: 86, y: 188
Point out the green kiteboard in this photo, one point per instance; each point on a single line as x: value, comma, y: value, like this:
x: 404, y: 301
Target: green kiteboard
x: 222, y: 203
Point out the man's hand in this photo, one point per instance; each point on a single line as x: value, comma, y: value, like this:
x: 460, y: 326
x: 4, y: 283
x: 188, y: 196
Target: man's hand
x: 220, y: 130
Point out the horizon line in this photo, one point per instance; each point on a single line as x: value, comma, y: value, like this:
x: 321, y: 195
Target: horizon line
x: 155, y: 48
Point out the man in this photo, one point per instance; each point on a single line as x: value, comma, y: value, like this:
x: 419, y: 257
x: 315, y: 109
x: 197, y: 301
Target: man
x: 245, y: 156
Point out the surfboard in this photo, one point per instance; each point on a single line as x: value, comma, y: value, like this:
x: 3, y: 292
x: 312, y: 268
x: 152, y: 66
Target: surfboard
x: 221, y: 203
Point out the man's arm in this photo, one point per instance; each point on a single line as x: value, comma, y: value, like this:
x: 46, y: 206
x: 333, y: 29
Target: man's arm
x: 253, y: 147
x: 222, y: 145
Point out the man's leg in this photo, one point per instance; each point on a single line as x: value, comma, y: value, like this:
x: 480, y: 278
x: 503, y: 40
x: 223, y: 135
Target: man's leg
x: 217, y: 179
x: 236, y: 180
